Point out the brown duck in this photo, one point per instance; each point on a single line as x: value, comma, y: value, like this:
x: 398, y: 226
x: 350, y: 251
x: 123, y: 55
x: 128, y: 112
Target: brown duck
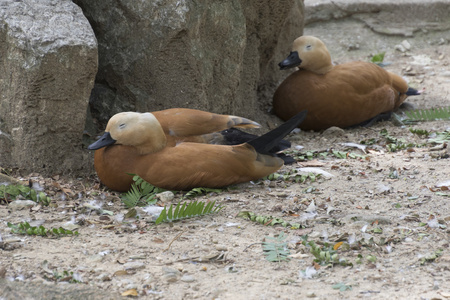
x: 344, y: 95
x: 173, y: 149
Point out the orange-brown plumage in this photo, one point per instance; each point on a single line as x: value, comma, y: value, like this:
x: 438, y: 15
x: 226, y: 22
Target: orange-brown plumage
x: 342, y: 95
x: 137, y: 143
x: 191, y: 125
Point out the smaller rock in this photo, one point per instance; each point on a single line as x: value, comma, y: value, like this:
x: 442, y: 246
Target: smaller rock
x: 170, y: 273
x: 383, y: 189
x: 21, y: 204
x: 70, y: 226
x: 221, y: 248
x: 333, y: 132
x: 171, y: 277
x: 165, y: 197
x: 187, y: 278
x: 311, y: 295
x: 134, y: 265
x: 406, y: 45
x: 400, y: 48
x: 103, y: 277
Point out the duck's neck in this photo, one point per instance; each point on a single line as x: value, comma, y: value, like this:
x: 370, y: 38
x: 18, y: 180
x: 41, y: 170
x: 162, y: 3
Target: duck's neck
x: 152, y: 146
x: 149, y: 135
x: 324, y: 69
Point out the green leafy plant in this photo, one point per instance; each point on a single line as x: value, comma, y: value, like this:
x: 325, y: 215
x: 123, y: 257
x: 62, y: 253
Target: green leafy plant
x: 64, y: 276
x: 268, y: 220
x: 25, y: 228
x: 344, y: 155
x: 431, y: 257
x: 141, y: 193
x: 324, y: 255
x: 378, y: 58
x: 309, y: 155
x: 57, y: 276
x: 342, y: 287
x: 431, y: 114
x: 187, y: 210
x: 10, y: 192
x: 394, y: 144
x: 419, y: 132
x: 200, y: 191
x: 440, y: 137
x: 276, y: 250
x: 292, y: 176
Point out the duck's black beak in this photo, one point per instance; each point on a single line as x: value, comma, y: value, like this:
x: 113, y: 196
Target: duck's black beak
x: 293, y: 60
x: 103, y: 141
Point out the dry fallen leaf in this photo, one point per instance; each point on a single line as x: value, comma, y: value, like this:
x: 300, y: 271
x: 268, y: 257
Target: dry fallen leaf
x: 157, y: 240
x: 120, y: 273
x: 337, y: 245
x: 68, y: 191
x: 131, y: 292
x: 312, y: 163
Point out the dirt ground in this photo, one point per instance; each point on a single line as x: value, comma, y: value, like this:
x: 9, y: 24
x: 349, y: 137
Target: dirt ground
x: 386, y: 208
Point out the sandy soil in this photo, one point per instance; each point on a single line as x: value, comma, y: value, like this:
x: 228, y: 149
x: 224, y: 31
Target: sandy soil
x: 383, y: 205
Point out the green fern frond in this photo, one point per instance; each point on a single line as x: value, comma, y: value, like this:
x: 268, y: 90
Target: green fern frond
x: 141, y: 193
x: 200, y: 191
x: 268, y: 220
x: 276, y: 250
x: 432, y: 114
x: 24, y: 228
x: 184, y: 211
x: 419, y: 132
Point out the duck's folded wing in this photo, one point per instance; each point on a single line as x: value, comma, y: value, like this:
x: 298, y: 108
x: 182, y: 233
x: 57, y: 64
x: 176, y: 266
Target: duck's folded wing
x: 184, y: 122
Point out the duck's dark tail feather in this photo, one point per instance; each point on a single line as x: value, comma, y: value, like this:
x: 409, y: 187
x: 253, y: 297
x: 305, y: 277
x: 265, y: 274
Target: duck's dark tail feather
x: 235, y: 136
x: 372, y: 121
x: 266, y: 143
x: 412, y: 92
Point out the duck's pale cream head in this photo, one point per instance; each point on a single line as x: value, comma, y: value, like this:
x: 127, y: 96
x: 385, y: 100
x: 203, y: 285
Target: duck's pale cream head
x: 308, y: 53
x: 141, y: 130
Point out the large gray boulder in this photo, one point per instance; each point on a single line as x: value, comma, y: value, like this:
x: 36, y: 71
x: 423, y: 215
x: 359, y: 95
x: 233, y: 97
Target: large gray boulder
x: 48, y: 62
x: 214, y: 55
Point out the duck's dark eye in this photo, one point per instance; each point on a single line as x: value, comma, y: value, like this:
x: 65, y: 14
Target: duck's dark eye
x: 308, y: 47
x: 122, y: 126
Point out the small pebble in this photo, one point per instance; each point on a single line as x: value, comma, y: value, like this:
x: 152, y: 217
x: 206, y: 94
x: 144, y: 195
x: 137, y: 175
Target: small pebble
x: 221, y: 248
x: 170, y: 277
x: 103, y: 277
x: 168, y: 270
x: 400, y: 48
x: 21, y: 204
x: 166, y: 196
x: 187, y: 278
x: 134, y: 265
x: 311, y: 295
x: 406, y: 45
